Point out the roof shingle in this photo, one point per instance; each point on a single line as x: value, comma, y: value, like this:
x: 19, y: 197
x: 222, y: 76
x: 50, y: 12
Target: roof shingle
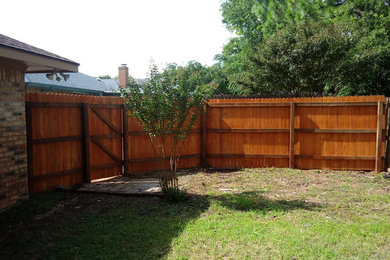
x: 15, y: 44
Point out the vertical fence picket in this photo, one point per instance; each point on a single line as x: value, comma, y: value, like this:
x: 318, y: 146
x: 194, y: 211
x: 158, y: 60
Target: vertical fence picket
x: 85, y: 142
x: 291, y: 163
x: 30, y: 148
x: 204, y: 137
x: 387, y: 134
x: 125, y: 141
x: 378, y: 161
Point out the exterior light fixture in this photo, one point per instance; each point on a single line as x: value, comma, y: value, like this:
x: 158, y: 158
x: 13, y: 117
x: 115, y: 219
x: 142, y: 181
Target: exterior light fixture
x: 50, y: 75
x: 58, y: 78
x: 65, y: 76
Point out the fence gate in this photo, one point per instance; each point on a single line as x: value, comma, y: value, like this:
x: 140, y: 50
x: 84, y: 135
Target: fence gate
x: 103, y: 143
x: 73, y: 143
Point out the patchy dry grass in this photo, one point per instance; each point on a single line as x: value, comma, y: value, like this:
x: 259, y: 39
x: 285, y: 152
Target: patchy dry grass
x: 286, y: 213
x: 251, y: 213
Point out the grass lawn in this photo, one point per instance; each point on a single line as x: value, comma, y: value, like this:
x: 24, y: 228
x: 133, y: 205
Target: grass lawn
x: 247, y: 214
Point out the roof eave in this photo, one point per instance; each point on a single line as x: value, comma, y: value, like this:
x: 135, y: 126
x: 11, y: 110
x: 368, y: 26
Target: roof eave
x: 37, y: 63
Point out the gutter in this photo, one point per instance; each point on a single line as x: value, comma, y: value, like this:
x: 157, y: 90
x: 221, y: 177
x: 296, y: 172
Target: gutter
x: 56, y: 87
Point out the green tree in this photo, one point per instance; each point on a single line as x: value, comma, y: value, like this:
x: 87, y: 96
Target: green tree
x: 369, y: 62
x: 362, y: 67
x: 104, y: 77
x: 367, y: 67
x: 193, y: 75
x: 254, y: 21
x: 239, y: 18
x: 167, y: 111
x: 302, y: 60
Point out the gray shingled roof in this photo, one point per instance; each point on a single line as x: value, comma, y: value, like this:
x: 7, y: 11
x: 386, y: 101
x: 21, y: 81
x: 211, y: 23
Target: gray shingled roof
x: 8, y: 42
x: 77, y: 80
x: 112, y: 84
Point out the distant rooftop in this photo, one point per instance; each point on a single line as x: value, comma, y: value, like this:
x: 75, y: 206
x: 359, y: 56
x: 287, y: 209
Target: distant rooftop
x: 77, y: 82
x: 111, y: 84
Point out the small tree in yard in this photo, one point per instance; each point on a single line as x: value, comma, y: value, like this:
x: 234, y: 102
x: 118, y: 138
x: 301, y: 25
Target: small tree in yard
x: 167, y: 113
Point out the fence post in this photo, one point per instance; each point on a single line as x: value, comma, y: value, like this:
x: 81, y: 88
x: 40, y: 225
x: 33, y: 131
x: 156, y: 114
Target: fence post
x: 291, y: 163
x: 85, y: 142
x: 387, y: 134
x: 30, y: 155
x: 204, y: 137
x: 125, y: 141
x: 379, y: 132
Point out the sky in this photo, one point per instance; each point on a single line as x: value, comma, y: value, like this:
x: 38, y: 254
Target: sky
x: 101, y: 35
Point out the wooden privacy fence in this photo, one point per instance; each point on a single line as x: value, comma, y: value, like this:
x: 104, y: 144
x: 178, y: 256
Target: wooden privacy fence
x: 304, y: 133
x: 74, y: 139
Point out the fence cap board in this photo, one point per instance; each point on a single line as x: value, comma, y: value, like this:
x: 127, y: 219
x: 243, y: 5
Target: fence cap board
x: 71, y: 98
x: 347, y: 99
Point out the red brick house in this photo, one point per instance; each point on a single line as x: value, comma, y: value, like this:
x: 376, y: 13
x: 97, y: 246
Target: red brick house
x: 17, y: 58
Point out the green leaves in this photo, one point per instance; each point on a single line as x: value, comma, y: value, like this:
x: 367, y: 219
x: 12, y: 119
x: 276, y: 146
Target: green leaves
x: 299, y: 60
x: 307, y: 47
x: 165, y: 106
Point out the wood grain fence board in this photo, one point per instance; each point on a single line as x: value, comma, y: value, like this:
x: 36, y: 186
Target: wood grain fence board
x: 288, y: 104
x: 231, y: 155
x: 47, y: 105
x: 249, y: 104
x: 56, y: 139
x: 325, y: 157
x: 106, y: 136
x: 105, y: 120
x: 93, y: 106
x: 144, y: 133
x: 105, y: 166
x: 336, y: 104
x: 106, y: 150
x: 335, y: 131
x: 154, y: 159
x: 56, y: 174
x: 263, y: 130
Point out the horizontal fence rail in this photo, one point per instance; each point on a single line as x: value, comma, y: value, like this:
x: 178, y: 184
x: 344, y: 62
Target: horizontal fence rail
x: 75, y: 139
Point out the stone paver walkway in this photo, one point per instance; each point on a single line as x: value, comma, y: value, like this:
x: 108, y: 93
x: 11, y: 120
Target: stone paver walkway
x: 123, y: 185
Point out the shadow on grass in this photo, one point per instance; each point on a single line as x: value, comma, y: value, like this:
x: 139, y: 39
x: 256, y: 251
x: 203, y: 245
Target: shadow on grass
x: 184, y: 172
x: 253, y: 201
x: 92, y: 226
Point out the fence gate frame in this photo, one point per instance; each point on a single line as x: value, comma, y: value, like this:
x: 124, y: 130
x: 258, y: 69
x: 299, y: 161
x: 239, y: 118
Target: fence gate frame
x: 117, y: 133
x: 85, y: 138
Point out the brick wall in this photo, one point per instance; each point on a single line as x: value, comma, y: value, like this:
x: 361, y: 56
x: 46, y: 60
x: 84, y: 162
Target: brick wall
x: 13, y: 140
